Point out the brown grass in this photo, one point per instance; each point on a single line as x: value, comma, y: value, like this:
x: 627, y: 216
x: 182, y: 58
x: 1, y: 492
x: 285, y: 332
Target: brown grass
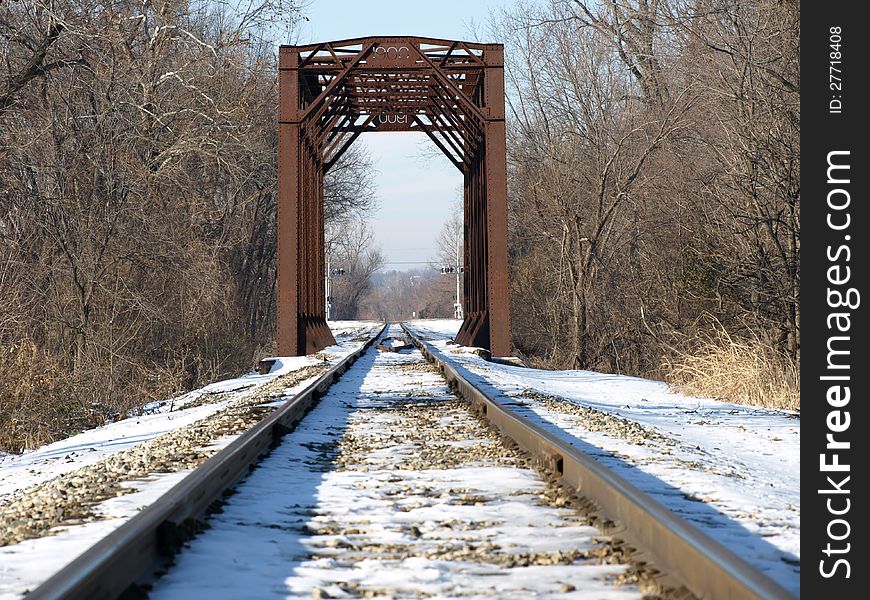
x: 743, y: 371
x: 36, y: 405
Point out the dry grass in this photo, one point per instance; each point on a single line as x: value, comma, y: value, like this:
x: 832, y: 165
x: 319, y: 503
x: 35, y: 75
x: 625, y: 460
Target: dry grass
x: 37, y: 405
x: 743, y: 371
x: 42, y: 401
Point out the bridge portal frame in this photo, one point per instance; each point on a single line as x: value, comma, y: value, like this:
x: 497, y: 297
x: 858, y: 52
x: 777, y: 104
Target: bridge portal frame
x: 332, y: 92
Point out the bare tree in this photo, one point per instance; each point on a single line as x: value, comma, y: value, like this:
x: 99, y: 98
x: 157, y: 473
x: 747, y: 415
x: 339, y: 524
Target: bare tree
x: 637, y: 32
x: 403, y: 295
x: 747, y: 54
x: 137, y: 202
x: 654, y: 177
x: 355, y: 252
x: 579, y: 153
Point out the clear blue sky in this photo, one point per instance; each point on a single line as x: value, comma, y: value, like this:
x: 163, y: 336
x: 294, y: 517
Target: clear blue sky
x: 415, y: 193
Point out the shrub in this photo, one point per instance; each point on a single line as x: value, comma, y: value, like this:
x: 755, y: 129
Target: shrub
x: 743, y: 371
x: 38, y: 403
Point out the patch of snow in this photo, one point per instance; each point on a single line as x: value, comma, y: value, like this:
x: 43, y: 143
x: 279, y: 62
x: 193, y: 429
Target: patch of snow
x: 732, y: 470
x: 18, y: 471
x: 378, y: 524
x: 25, y: 565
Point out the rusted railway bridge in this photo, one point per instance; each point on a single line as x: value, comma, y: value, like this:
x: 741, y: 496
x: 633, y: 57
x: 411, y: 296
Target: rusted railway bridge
x: 330, y: 94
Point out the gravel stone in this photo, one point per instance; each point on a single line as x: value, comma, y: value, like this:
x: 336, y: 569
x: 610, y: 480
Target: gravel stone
x: 70, y: 499
x: 421, y: 432
x: 599, y: 421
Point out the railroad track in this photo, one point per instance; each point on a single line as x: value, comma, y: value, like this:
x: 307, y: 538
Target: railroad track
x: 391, y: 486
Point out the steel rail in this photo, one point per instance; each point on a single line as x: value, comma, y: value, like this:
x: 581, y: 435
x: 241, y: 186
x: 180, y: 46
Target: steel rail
x: 682, y: 551
x: 141, y: 545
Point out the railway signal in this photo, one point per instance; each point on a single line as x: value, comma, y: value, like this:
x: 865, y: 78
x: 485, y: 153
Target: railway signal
x: 450, y: 270
x: 330, y: 273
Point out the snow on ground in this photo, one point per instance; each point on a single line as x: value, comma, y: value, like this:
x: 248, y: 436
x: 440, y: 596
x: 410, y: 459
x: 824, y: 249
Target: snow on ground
x: 390, y: 488
x: 18, y: 471
x: 733, y: 470
x: 26, y: 564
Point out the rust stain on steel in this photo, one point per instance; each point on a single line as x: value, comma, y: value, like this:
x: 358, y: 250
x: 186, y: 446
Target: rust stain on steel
x: 330, y: 94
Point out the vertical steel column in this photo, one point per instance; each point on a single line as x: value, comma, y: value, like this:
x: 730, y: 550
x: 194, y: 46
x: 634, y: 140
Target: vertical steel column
x: 475, y: 327
x: 306, y: 279
x: 301, y: 321
x: 487, y: 303
x: 289, y: 146
x: 495, y: 157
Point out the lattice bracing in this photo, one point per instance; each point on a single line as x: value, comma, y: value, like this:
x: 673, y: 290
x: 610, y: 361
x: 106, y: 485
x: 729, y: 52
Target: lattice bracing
x: 333, y: 92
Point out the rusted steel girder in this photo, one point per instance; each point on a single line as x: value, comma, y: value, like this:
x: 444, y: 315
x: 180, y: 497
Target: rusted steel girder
x: 331, y: 93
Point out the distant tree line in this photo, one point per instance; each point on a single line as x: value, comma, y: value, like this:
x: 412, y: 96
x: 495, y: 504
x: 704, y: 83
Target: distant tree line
x: 368, y: 291
x: 419, y: 293
x: 137, y: 203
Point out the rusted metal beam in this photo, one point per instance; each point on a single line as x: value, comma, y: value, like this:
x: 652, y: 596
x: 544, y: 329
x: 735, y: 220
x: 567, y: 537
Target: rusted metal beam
x: 301, y: 323
x: 453, y: 91
x: 335, y: 82
x: 287, y: 306
x: 495, y: 166
x: 388, y: 39
x: 428, y: 130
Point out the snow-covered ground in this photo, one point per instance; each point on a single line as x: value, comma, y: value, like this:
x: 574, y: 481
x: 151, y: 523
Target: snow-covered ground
x: 390, y: 488
x: 25, y: 564
x: 733, y: 470
x: 18, y: 471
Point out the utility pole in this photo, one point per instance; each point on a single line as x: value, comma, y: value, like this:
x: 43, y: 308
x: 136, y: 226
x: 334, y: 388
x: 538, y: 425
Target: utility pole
x: 328, y: 290
x: 457, y: 306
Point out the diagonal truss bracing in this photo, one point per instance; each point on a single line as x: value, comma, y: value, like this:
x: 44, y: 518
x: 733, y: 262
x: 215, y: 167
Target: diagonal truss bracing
x: 330, y: 94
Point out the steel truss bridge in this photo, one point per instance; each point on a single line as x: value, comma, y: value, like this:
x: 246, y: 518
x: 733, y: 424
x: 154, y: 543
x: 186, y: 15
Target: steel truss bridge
x: 330, y: 94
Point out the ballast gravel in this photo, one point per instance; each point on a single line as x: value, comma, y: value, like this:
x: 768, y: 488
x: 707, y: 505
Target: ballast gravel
x: 69, y: 499
x: 392, y: 488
